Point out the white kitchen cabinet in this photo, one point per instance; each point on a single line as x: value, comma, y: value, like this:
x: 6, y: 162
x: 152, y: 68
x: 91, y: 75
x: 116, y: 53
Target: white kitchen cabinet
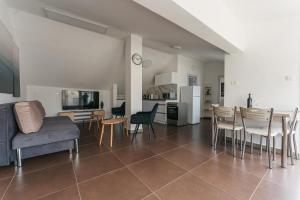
x: 166, y: 78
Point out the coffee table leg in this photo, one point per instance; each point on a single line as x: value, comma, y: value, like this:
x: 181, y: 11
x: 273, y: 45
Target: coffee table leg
x: 111, y: 134
x: 101, y: 136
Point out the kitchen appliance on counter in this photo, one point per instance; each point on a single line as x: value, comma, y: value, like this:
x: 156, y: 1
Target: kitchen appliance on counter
x: 169, y: 95
x: 191, y: 96
x: 176, y: 113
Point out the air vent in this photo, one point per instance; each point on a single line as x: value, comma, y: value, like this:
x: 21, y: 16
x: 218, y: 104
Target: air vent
x: 74, y: 20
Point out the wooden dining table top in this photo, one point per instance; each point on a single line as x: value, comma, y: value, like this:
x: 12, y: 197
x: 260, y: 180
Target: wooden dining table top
x: 276, y: 113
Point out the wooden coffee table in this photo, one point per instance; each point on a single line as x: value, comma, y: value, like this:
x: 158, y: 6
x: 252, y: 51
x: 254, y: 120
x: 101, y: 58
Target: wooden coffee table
x: 111, y: 123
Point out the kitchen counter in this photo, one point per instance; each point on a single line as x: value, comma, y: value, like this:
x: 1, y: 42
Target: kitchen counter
x: 165, y: 100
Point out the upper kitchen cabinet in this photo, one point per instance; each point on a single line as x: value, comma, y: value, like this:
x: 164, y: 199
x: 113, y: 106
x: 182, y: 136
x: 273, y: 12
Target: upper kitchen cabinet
x: 166, y: 78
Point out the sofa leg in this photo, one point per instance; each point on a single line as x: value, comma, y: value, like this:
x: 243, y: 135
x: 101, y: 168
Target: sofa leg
x: 76, y: 146
x: 19, y: 158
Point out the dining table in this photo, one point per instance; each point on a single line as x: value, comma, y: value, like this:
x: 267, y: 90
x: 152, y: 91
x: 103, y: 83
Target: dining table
x: 279, y: 116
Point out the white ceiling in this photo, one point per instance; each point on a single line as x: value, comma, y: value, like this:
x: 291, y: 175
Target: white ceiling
x: 124, y: 16
x: 252, y: 11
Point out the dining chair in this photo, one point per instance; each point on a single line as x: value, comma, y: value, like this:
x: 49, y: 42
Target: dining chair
x: 119, y: 111
x: 292, y: 129
x: 97, y: 116
x: 146, y: 118
x: 264, y: 118
x: 222, y: 116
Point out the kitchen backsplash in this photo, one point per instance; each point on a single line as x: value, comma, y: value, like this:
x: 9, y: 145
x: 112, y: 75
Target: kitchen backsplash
x: 158, y: 91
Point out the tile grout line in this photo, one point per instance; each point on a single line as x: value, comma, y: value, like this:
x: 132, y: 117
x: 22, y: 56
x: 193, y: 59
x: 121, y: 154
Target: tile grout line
x: 128, y: 168
x: 7, y: 187
x: 44, y: 168
x: 60, y: 190
x: 187, y: 172
x: 214, y: 186
x: 77, y: 186
x: 98, y: 176
x: 259, y: 183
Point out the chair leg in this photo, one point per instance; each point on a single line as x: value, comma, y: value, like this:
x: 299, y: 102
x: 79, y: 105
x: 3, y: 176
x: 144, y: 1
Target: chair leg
x: 261, y: 140
x: 295, y: 147
x: 19, y: 158
x: 101, y: 135
x: 149, y: 132
x: 135, y: 132
x: 111, y: 134
x: 274, y: 148
x: 269, y: 153
x: 233, y: 144
x: 90, y: 125
x: 152, y: 129
x: 98, y: 125
x: 216, y: 138
x: 251, y: 147
x: 225, y: 139
x: 291, y: 148
x: 241, y: 143
x: 244, y: 146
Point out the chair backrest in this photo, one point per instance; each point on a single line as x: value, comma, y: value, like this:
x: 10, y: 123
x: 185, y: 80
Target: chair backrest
x: 154, y: 111
x: 257, y: 114
x: 123, y: 105
x: 222, y: 113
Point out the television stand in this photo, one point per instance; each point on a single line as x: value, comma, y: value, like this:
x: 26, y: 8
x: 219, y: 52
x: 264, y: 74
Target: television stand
x: 79, y: 115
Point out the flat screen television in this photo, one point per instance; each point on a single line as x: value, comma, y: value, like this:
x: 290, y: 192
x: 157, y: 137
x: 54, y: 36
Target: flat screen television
x: 80, y: 100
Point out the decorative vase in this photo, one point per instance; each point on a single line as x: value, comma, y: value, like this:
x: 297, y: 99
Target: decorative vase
x: 101, y: 104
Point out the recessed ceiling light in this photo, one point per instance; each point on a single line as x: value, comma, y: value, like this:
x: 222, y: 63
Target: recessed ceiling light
x: 177, y: 47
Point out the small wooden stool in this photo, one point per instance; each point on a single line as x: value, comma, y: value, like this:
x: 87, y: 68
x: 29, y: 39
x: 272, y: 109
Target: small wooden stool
x: 113, y: 122
x: 97, y: 116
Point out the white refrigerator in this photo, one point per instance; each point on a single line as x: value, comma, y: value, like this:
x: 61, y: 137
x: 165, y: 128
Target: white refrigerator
x: 191, y: 96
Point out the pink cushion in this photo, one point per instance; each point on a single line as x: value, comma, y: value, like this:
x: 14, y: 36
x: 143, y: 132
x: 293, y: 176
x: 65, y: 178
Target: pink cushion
x: 28, y: 116
x: 40, y: 106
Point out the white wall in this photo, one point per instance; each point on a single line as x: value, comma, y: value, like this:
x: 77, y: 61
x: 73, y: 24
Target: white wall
x: 50, y: 97
x: 58, y: 55
x: 208, y: 19
x: 271, y: 55
x: 161, y: 62
x: 212, y: 71
x: 268, y: 69
x: 189, y: 66
x: 5, y: 18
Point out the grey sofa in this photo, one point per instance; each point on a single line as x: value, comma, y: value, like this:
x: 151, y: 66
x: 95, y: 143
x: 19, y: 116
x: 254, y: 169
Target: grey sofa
x: 56, y: 134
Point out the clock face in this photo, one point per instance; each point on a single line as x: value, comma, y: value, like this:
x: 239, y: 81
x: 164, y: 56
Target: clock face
x: 137, y: 59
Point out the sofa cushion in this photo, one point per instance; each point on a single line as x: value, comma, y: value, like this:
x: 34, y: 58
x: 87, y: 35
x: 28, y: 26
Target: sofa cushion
x: 40, y: 107
x: 28, y: 117
x: 54, y: 129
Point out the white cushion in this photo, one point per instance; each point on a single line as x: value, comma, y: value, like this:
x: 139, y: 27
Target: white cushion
x: 228, y: 126
x: 263, y: 131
